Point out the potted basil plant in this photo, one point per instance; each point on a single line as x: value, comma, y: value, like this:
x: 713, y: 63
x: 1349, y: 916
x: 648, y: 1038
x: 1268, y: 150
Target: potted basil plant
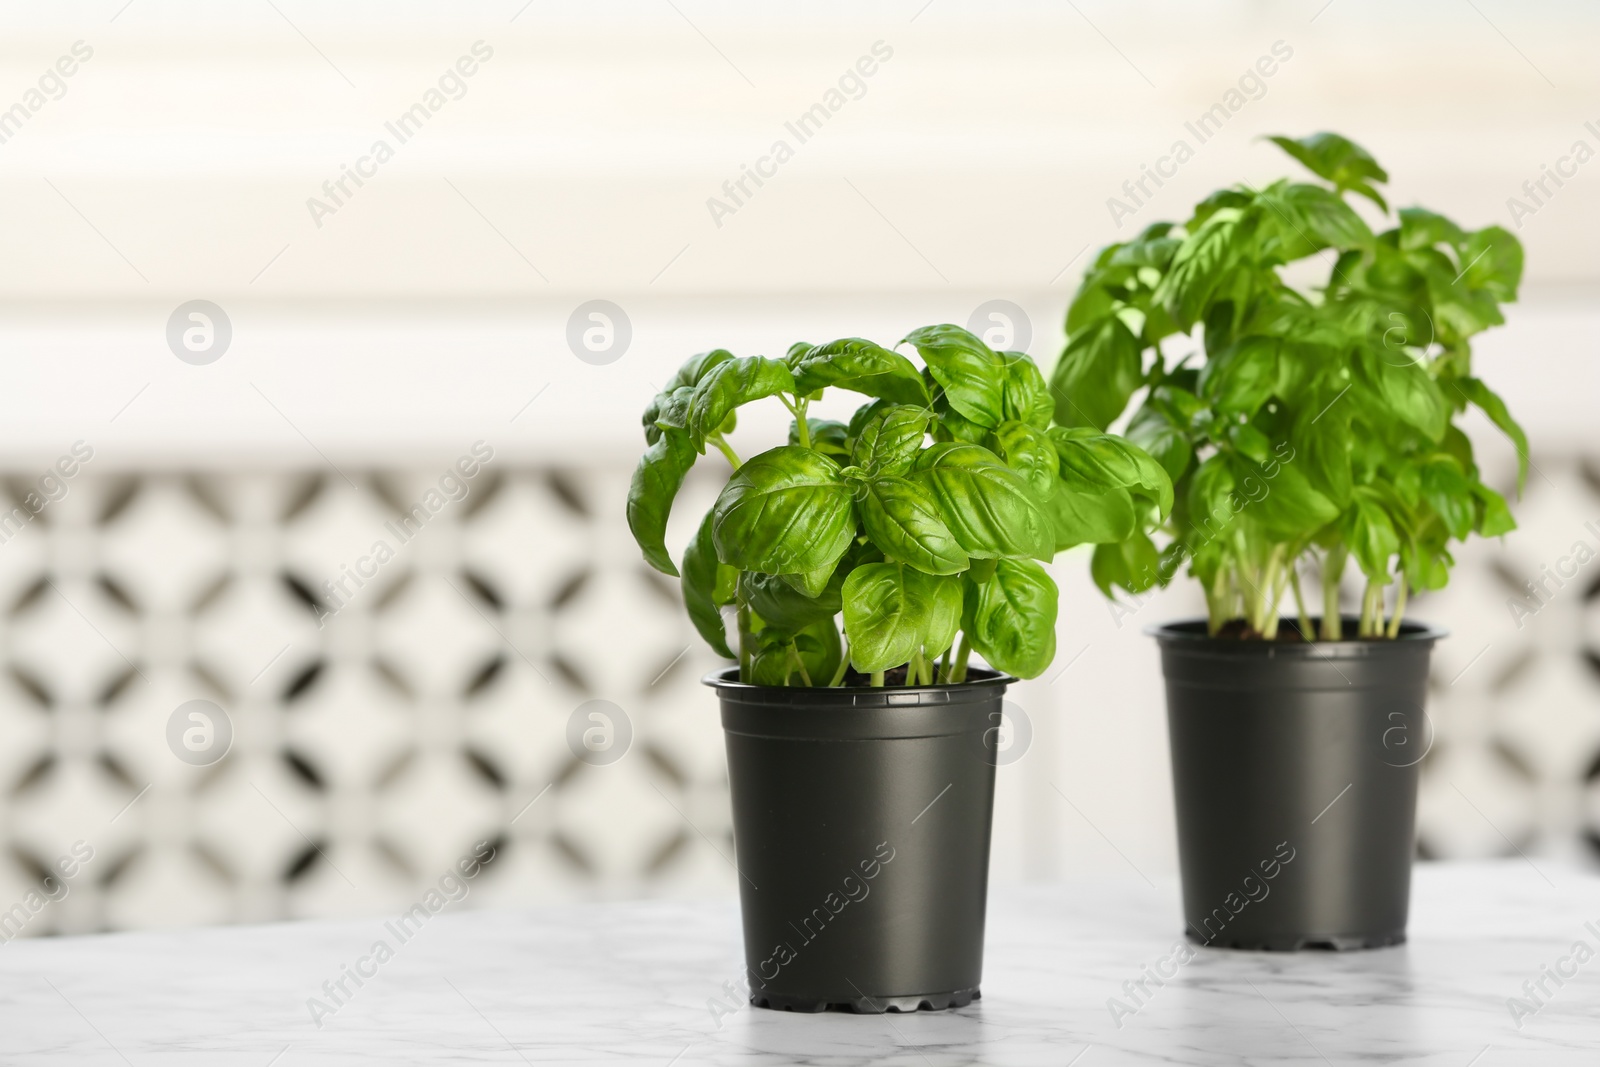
x: 1306, y: 430
x: 863, y: 564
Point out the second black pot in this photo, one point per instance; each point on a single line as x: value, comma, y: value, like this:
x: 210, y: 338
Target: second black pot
x: 861, y: 818
x: 1295, y: 777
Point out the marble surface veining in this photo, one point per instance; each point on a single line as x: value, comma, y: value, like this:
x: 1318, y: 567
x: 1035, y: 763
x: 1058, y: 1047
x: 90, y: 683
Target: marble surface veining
x: 645, y: 983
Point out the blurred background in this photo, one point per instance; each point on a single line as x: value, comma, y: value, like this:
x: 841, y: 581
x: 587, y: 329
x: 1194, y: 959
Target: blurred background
x: 201, y: 487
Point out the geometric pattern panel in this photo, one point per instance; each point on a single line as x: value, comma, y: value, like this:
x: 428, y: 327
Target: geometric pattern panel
x: 404, y: 660
x: 396, y: 656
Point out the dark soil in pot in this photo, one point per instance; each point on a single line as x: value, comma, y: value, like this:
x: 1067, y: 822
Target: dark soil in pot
x: 1295, y: 778
x: 861, y: 817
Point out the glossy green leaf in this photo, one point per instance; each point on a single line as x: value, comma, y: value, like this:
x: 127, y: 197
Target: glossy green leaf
x: 1080, y: 517
x: 1493, y: 516
x: 1010, y: 620
x: 1132, y: 564
x: 706, y: 584
x: 830, y: 438
x: 811, y: 655
x: 903, y: 520
x: 728, y: 385
x: 786, y: 511
x: 1102, y: 461
x: 656, y: 481
x: 888, y: 441
x: 892, y: 611
x: 972, y: 375
x: 1030, y: 452
x: 780, y: 605
x: 988, y: 506
x: 861, y: 367
x: 1026, y: 395
x: 685, y: 379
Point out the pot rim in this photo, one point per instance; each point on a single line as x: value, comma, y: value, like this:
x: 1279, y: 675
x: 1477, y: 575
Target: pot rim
x: 1192, y: 634
x: 726, y: 680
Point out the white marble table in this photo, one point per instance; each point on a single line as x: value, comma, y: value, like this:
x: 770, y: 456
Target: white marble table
x: 630, y: 983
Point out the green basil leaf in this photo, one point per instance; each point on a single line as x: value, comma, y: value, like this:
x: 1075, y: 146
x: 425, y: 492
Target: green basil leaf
x: 902, y: 519
x: 1405, y: 386
x: 704, y: 578
x: 1341, y: 161
x: 1282, y: 499
x: 1202, y: 265
x: 732, y: 383
x: 1493, y: 517
x: 1367, y: 528
x: 1010, y: 620
x: 891, y: 611
x: 1493, y: 263
x: 1091, y: 461
x: 889, y: 440
x: 1026, y: 396
x: 1091, y: 518
x: 1491, y: 404
x: 988, y: 506
x: 972, y: 375
x: 786, y: 511
x: 1240, y: 378
x: 1446, y: 490
x: 811, y: 583
x: 1132, y: 564
x: 1309, y: 218
x: 1164, y: 440
x: 861, y: 367
x: 1030, y: 452
x: 780, y: 605
x: 830, y: 438
x: 656, y: 481
x: 686, y: 378
x: 1096, y: 375
x: 811, y: 655
x: 1421, y: 228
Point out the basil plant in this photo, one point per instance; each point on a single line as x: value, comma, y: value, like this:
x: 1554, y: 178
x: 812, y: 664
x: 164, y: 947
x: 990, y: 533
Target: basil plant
x: 1319, y: 428
x: 926, y: 515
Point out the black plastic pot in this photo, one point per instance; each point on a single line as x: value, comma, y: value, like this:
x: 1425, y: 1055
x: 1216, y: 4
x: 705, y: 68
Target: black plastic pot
x: 1295, y: 776
x: 861, y: 818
